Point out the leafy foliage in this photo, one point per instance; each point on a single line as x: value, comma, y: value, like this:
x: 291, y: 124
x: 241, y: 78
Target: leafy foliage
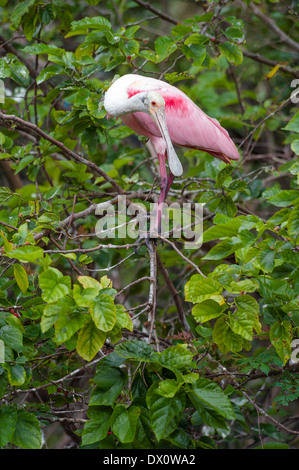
x: 160, y: 346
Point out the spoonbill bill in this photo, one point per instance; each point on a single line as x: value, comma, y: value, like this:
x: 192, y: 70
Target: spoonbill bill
x: 166, y: 115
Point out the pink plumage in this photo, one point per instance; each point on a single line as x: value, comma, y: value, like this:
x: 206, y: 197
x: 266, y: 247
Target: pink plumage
x: 187, y: 124
x: 167, y: 117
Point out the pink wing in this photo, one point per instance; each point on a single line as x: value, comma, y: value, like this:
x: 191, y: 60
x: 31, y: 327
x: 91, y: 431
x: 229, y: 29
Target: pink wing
x: 187, y: 124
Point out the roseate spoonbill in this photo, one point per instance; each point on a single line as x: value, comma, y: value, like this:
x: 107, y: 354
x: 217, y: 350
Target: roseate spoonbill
x: 167, y: 117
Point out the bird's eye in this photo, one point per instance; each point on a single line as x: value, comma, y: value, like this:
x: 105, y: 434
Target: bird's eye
x: 154, y: 103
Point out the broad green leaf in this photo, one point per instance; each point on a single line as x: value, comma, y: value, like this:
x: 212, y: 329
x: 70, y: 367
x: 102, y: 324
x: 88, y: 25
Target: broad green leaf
x: 20, y: 10
x: 27, y: 433
x: 109, y: 384
x: 123, y: 319
x: 164, y: 46
x: 67, y: 325
x: 285, y: 198
x: 165, y: 413
x: 89, y: 282
x: 223, y: 249
x: 225, y: 338
x: 53, y: 310
x: 199, y: 289
x: 234, y: 34
x: 295, y: 145
x: 281, y: 337
x: 168, y: 388
x: 21, y: 277
x: 124, y: 422
x: 248, y: 304
x: 54, y: 285
x: 209, y: 393
x: 176, y: 357
x: 8, y: 420
x: 293, y: 223
x: 27, y: 254
x: 231, y: 52
x: 206, y: 310
x: 86, y: 296
x: 293, y: 124
x: 103, y: 312
x: 49, y: 72
x: 90, y: 341
x: 137, y: 350
x: 16, y: 374
x: 265, y: 257
x: 246, y: 285
x: 218, y: 231
x: 242, y: 324
x: 97, y: 428
x: 12, y: 337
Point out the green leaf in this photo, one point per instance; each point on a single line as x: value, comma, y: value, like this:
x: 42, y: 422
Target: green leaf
x: 89, y: 282
x: 293, y: 222
x: 295, y: 146
x: 53, y: 310
x: 27, y: 254
x: 218, y: 231
x: 199, y: 289
x: 248, y: 304
x: 231, y: 52
x: 293, y: 124
x: 223, y: 249
x: 8, y: 420
x: 103, y: 312
x: 165, y: 413
x: 176, y: 357
x: 124, y: 422
x: 265, y: 257
x: 225, y: 338
x: 49, y: 72
x: 90, y: 341
x: 27, y: 433
x: 281, y: 337
x: 137, y: 350
x: 123, y: 319
x: 97, y: 428
x: 67, y: 325
x: 12, y: 337
x: 54, y: 285
x: 19, y: 11
x: 234, y: 34
x: 168, y: 388
x: 209, y: 393
x: 110, y: 382
x: 16, y: 374
x: 42, y: 48
x: 285, y: 198
x: 242, y: 324
x: 21, y: 277
x: 206, y: 310
x: 164, y: 46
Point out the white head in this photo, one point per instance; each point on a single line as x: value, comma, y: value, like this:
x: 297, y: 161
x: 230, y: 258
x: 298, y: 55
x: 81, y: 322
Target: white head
x: 153, y: 104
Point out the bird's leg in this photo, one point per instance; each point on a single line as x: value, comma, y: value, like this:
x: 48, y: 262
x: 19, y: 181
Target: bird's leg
x: 163, y: 192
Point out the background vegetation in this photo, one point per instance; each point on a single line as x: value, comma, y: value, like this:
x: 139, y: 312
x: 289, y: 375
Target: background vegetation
x: 112, y: 343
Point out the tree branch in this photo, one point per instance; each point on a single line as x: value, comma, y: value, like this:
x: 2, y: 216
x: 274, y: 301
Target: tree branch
x: 8, y: 119
x: 159, y: 13
x: 266, y: 19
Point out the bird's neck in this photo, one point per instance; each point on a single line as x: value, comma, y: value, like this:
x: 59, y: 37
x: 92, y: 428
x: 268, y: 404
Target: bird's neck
x: 117, y: 106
